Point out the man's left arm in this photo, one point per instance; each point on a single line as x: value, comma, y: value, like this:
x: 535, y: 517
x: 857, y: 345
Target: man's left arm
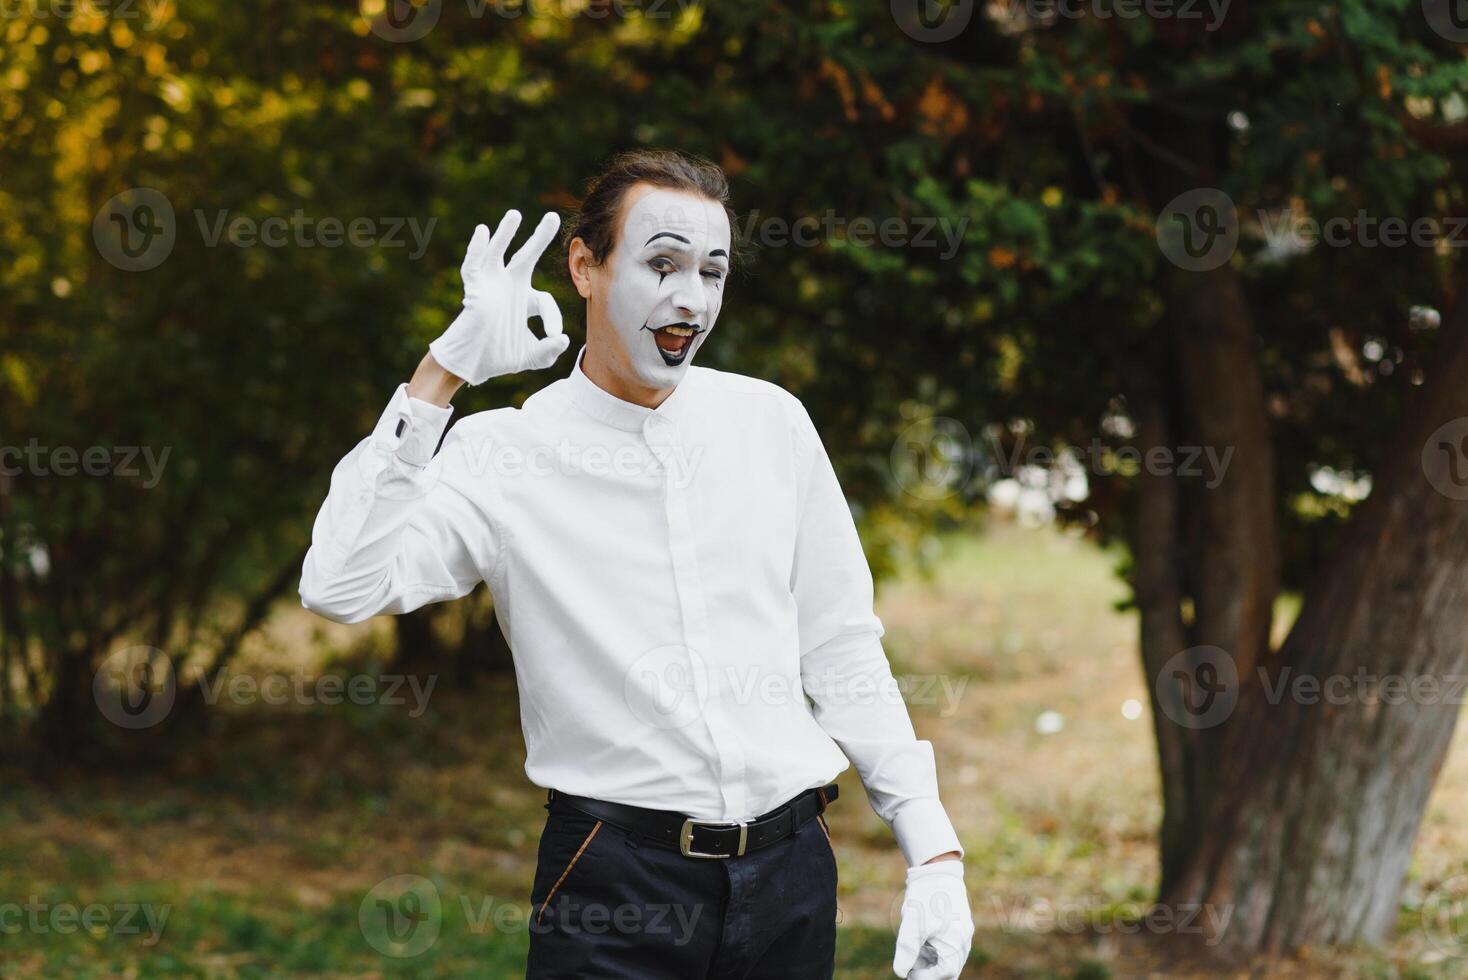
x: 845, y: 673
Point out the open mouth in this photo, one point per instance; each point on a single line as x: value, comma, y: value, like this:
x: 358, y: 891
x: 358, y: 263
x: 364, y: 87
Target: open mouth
x: 674, y: 341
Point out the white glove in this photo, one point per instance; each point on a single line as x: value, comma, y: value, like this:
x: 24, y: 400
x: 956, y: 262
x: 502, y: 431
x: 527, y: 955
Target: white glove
x: 492, y: 335
x: 937, y: 927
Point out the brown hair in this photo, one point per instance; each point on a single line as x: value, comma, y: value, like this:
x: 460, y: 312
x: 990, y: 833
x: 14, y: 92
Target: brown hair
x: 596, y: 222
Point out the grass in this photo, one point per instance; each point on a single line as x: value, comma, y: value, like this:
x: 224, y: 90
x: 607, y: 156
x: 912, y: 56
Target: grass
x: 261, y: 843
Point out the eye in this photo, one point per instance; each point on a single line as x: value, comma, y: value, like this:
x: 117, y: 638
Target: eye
x: 662, y: 264
x: 714, y: 274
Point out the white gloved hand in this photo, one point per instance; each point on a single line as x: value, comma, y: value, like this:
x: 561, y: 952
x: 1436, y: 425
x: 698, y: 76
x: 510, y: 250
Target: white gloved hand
x: 937, y: 927
x: 492, y: 335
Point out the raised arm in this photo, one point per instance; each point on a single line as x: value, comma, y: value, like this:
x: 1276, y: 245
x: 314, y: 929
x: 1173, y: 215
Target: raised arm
x: 401, y: 527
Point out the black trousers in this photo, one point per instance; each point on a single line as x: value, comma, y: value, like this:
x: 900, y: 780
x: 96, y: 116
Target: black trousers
x: 608, y: 904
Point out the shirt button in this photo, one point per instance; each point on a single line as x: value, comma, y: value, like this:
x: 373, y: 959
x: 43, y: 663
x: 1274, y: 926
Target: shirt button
x: 657, y: 430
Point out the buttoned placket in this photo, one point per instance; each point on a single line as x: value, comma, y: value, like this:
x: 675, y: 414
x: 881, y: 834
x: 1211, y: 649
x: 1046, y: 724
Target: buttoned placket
x: 665, y: 443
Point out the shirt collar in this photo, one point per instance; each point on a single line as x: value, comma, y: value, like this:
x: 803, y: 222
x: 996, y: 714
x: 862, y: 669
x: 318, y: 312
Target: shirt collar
x: 629, y: 416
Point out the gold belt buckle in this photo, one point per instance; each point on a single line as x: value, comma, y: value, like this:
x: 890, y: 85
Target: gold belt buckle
x: 685, y: 839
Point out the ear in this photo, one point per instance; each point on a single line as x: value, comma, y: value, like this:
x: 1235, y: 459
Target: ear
x: 579, y: 262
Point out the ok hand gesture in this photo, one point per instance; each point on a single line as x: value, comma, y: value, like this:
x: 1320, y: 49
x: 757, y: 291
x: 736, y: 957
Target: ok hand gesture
x: 492, y: 336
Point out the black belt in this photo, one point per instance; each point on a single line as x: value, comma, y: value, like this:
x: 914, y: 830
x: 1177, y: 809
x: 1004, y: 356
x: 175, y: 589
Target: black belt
x: 715, y: 838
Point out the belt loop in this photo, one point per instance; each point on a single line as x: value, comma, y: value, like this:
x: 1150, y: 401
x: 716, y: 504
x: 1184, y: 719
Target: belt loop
x: 821, y: 795
x: 550, y: 796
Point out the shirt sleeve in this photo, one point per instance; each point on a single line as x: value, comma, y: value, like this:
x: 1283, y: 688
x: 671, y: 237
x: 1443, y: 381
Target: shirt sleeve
x: 399, y: 528
x: 844, y: 669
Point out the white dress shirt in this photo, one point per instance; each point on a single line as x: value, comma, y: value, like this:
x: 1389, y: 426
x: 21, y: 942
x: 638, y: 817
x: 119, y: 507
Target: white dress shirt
x: 682, y: 590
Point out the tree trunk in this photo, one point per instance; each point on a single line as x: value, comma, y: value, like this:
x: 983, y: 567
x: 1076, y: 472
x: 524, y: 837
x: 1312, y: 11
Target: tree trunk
x: 1328, y: 783
x: 418, y: 650
x: 1294, y: 818
x: 68, y: 721
x: 1207, y: 567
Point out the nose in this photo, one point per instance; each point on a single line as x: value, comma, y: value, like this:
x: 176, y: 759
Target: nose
x: 688, y: 296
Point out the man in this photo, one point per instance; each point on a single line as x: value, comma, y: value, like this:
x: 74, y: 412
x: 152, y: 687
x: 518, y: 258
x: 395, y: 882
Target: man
x: 683, y: 591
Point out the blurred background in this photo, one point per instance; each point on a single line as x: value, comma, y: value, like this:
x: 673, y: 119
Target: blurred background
x: 1132, y: 328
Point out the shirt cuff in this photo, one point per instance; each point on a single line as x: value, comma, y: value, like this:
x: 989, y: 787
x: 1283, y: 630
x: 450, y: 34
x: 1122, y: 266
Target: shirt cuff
x: 411, y: 427
x: 923, y: 831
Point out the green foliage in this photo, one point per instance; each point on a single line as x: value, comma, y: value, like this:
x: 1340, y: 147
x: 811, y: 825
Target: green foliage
x: 256, y: 368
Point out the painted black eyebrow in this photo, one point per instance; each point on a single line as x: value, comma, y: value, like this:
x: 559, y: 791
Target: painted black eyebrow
x: 718, y: 252
x: 665, y: 234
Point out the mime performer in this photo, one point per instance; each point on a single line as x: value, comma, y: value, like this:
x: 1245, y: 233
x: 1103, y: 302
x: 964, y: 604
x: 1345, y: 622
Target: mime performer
x: 681, y: 585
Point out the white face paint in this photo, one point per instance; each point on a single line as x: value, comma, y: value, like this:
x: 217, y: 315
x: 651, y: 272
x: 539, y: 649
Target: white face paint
x: 667, y: 281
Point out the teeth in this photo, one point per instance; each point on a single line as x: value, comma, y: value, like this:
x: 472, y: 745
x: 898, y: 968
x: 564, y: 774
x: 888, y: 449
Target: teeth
x: 680, y: 331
